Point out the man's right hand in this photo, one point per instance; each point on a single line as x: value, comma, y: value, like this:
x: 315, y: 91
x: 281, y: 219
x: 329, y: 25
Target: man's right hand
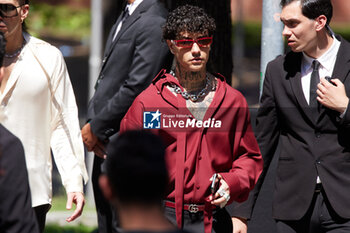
x: 90, y: 140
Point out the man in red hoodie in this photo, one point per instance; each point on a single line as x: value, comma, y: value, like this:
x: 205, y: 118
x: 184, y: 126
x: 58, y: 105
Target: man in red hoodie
x: 205, y: 125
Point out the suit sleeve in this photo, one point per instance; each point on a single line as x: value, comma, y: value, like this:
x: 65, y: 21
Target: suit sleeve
x: 149, y: 55
x: 345, y: 120
x: 248, y: 163
x: 267, y: 134
x: 16, y: 213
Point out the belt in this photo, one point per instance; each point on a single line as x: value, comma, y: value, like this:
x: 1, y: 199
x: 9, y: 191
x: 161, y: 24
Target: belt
x: 192, y: 208
x: 318, y: 187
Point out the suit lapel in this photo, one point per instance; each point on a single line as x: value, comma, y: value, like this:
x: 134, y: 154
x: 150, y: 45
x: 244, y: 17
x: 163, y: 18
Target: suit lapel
x: 110, y: 37
x: 341, y: 67
x: 342, y: 64
x: 293, y: 66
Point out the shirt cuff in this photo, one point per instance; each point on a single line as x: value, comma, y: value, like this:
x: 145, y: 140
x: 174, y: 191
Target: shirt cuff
x: 343, y: 114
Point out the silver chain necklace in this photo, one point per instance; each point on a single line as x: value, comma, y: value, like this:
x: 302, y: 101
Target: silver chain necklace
x: 192, y: 97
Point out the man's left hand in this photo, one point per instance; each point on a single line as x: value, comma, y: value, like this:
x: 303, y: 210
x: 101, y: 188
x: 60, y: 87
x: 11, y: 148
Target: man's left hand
x: 239, y: 225
x: 78, y: 199
x: 332, y: 96
x: 222, y: 196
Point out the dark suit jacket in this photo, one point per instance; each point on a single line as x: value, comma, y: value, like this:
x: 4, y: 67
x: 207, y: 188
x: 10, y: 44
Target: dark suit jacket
x: 130, y: 63
x: 16, y: 213
x: 308, y: 147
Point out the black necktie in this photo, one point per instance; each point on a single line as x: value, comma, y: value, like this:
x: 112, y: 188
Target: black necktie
x: 125, y: 14
x: 315, y: 79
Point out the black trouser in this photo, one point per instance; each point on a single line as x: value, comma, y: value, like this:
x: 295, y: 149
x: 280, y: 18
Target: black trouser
x: 40, y: 213
x: 106, y: 218
x: 194, y: 222
x: 320, y: 218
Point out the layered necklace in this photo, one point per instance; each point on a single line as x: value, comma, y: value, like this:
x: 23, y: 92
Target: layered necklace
x: 17, y: 52
x: 193, y: 97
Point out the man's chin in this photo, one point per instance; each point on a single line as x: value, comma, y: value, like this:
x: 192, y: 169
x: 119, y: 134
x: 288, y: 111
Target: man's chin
x: 295, y: 49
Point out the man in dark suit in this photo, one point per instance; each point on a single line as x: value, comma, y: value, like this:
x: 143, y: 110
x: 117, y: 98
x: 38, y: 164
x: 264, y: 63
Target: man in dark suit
x: 134, y: 54
x: 311, y: 117
x: 16, y: 213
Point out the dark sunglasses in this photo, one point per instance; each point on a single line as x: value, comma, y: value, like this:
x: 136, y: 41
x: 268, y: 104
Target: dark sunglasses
x: 8, y: 10
x: 188, y: 43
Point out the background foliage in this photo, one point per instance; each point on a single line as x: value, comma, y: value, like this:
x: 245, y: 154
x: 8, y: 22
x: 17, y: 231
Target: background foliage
x: 69, y: 229
x: 60, y: 21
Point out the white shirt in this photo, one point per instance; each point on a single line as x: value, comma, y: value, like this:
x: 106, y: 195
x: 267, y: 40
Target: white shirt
x: 41, y: 111
x: 131, y: 7
x: 327, y: 61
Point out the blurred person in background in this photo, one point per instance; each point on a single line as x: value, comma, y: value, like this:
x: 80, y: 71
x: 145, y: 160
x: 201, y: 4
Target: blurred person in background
x: 16, y: 213
x: 135, y: 182
x: 205, y: 126
x: 40, y: 107
x: 134, y: 54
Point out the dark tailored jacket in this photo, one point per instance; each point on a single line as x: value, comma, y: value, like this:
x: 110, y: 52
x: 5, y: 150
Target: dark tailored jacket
x: 130, y: 63
x: 16, y: 213
x: 309, y: 146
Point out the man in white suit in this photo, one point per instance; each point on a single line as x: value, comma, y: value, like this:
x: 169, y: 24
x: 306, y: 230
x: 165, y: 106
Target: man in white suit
x: 41, y: 111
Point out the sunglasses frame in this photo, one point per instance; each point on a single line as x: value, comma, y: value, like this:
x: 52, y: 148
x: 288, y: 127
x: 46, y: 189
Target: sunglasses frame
x: 176, y: 42
x: 2, y: 14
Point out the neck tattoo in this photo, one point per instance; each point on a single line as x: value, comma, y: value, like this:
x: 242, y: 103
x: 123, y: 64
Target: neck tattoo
x: 193, y: 97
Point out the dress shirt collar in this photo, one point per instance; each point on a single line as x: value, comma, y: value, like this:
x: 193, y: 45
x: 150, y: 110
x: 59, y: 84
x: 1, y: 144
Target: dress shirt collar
x: 132, y: 7
x: 327, y: 59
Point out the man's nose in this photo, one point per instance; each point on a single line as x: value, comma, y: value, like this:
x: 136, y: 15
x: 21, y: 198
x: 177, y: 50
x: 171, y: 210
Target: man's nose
x: 195, y: 48
x: 286, y: 31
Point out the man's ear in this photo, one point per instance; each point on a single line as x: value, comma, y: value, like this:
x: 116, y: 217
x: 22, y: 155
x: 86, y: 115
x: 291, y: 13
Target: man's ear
x: 171, y: 46
x: 25, y: 11
x: 321, y: 22
x: 106, y: 187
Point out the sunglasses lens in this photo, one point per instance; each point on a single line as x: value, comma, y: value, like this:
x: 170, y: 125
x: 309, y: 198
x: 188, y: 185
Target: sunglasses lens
x: 184, y: 43
x: 204, y: 41
x: 8, y: 10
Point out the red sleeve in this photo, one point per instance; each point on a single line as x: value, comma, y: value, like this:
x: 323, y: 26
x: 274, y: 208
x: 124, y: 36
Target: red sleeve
x: 133, y: 118
x: 248, y: 163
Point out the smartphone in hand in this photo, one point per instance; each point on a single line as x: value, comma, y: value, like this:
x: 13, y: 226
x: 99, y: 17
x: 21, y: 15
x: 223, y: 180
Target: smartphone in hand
x: 214, y: 185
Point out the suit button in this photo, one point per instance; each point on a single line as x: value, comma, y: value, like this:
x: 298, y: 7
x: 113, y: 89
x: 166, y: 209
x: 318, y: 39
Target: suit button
x: 318, y: 161
x: 317, y: 134
x: 198, y: 187
x: 104, y: 60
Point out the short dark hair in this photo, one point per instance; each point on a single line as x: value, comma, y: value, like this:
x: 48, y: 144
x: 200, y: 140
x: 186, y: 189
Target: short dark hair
x: 314, y: 8
x: 2, y: 47
x: 23, y: 2
x: 136, y: 168
x: 188, y: 18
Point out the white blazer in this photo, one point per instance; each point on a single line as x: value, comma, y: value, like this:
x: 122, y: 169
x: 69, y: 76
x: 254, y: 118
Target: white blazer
x: 40, y: 109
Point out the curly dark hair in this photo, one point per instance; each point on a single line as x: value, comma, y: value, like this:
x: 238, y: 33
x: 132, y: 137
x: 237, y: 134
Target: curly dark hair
x: 188, y: 18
